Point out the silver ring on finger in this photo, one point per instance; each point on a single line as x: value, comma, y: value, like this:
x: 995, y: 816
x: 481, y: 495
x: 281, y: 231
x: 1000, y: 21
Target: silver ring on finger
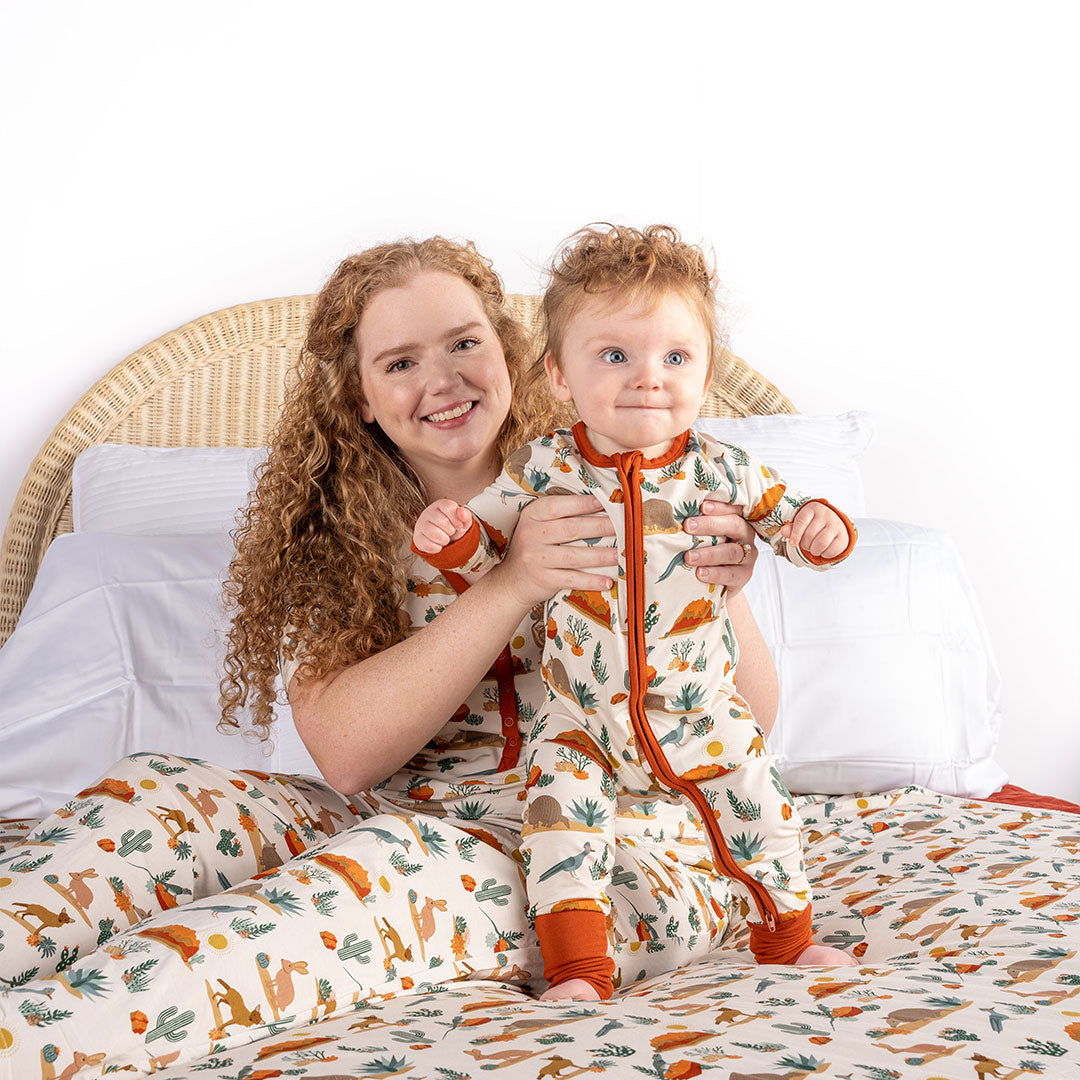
x: 746, y: 548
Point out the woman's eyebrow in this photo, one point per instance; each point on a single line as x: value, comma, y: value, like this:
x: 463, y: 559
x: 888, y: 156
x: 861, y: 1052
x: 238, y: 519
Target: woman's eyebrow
x: 476, y: 324
x: 387, y: 353
x: 414, y: 346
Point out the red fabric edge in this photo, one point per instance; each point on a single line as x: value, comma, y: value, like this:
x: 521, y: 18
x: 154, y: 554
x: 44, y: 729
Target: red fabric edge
x: 1013, y: 795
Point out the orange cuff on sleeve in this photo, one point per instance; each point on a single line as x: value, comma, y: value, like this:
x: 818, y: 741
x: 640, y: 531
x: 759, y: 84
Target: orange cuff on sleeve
x: 575, y: 946
x: 456, y: 554
x: 852, y: 532
x: 784, y: 944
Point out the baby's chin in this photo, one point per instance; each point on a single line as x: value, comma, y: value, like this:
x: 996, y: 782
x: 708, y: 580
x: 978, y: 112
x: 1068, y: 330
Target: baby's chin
x: 651, y: 443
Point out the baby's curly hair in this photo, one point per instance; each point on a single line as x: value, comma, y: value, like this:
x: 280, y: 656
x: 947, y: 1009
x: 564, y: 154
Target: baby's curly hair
x: 319, y: 546
x: 623, y: 264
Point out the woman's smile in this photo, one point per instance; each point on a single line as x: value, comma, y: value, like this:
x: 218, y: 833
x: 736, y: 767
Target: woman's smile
x: 445, y: 417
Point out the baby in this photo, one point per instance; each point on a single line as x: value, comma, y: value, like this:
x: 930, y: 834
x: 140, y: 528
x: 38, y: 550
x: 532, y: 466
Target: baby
x: 641, y: 677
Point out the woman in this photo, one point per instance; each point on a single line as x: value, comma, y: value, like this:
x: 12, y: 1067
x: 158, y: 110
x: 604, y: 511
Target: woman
x: 414, y: 384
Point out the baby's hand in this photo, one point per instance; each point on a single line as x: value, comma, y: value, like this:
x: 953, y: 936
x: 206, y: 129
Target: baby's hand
x: 439, y: 524
x: 571, y: 990
x: 818, y: 531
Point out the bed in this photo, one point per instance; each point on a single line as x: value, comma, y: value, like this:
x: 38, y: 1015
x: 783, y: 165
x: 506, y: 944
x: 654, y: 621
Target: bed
x: 959, y: 894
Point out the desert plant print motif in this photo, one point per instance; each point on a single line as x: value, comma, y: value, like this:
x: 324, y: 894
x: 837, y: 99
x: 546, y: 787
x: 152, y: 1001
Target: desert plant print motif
x: 963, y: 915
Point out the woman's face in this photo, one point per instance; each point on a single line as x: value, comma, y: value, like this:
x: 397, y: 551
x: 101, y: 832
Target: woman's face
x: 435, y: 380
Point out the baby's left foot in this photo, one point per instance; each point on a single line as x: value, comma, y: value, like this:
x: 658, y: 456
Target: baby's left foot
x: 825, y: 956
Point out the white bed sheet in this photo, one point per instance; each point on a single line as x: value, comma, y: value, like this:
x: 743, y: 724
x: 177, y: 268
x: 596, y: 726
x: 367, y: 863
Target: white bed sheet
x: 118, y: 650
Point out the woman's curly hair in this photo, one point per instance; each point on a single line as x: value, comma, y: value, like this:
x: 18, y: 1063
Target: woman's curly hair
x: 320, y: 546
x: 624, y: 264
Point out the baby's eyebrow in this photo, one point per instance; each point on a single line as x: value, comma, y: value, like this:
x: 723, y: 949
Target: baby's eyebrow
x: 612, y: 343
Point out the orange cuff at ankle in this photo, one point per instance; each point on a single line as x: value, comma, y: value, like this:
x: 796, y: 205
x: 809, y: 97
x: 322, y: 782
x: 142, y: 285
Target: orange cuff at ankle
x: 784, y: 944
x: 575, y: 946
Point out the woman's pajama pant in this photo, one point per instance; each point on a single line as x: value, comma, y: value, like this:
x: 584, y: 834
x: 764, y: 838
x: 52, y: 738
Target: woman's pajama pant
x: 177, y: 908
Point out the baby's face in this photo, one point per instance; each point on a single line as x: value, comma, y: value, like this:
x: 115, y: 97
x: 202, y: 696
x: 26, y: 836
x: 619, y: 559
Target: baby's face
x: 637, y: 376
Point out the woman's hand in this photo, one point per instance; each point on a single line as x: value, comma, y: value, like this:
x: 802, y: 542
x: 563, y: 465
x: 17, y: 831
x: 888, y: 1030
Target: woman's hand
x: 543, y: 559
x: 729, y: 562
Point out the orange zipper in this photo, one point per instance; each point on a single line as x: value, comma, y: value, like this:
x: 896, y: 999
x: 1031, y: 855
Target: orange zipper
x: 629, y: 470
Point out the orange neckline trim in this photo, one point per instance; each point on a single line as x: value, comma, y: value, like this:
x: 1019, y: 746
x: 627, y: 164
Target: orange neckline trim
x: 594, y: 457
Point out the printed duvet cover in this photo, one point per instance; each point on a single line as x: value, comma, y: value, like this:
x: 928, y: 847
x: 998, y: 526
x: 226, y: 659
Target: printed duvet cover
x: 964, y: 916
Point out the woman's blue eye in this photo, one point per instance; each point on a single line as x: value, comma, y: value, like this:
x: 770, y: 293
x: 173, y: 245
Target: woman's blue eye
x: 676, y: 359
x: 614, y: 356
x: 467, y: 343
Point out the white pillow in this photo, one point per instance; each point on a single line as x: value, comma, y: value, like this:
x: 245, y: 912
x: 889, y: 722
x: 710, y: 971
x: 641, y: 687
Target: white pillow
x: 119, y: 650
x: 153, y: 490
x: 144, y: 490
x: 818, y: 455
x: 886, y: 672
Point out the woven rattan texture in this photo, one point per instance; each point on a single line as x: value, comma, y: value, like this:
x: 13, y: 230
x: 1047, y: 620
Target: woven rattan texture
x: 219, y: 381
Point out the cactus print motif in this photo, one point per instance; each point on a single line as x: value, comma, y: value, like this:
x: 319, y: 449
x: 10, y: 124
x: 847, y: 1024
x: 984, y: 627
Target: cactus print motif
x: 673, y: 726
x: 963, y: 915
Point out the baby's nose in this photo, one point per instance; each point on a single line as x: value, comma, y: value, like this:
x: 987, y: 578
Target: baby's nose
x: 648, y: 375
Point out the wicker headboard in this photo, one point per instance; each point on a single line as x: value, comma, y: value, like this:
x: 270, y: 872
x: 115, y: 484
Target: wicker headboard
x: 218, y: 381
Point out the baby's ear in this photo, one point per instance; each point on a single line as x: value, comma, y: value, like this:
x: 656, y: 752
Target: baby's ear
x: 556, y: 379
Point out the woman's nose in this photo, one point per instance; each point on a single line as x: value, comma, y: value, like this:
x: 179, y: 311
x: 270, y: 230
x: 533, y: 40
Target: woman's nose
x: 443, y: 373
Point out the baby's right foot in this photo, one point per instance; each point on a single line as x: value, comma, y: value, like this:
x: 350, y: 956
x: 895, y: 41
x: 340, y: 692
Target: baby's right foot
x: 571, y: 990
x: 825, y: 956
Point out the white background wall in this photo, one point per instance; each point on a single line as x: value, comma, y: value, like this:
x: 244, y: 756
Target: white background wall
x: 890, y: 190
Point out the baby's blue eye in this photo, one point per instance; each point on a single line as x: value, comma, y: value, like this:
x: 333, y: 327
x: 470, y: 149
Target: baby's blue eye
x: 614, y: 356
x: 677, y: 359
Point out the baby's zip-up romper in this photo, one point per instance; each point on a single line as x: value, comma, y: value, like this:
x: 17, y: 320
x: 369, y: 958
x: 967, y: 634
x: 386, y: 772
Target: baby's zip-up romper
x: 642, y: 704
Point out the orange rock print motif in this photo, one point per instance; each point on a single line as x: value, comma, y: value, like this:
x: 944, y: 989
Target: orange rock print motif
x: 695, y: 615
x: 593, y: 605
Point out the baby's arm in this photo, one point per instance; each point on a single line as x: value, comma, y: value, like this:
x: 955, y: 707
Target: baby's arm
x: 439, y: 524
x: 805, y: 531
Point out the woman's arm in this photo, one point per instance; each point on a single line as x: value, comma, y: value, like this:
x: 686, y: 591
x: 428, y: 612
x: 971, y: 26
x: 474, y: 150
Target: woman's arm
x: 758, y: 683
x: 732, y: 565
x: 362, y: 722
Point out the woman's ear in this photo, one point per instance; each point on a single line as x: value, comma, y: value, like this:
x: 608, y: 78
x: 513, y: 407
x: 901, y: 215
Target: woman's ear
x: 366, y: 413
x: 556, y: 379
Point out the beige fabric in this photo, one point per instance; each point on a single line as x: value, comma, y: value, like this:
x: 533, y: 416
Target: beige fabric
x: 219, y: 381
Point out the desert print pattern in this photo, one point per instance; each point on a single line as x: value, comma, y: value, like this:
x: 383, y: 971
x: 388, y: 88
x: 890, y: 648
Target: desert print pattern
x: 963, y: 915
x: 396, y: 902
x: 640, y: 679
